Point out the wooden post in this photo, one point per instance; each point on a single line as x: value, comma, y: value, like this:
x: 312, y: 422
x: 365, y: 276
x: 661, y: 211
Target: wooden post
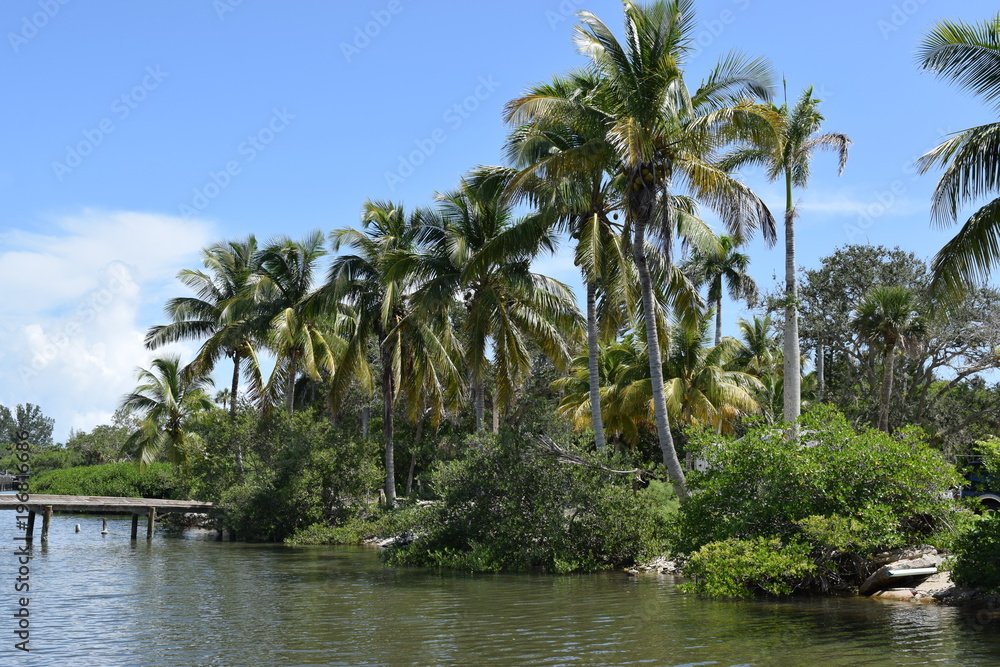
x: 218, y: 535
x: 29, y: 535
x: 135, y: 525
x: 149, y: 524
x: 46, y: 519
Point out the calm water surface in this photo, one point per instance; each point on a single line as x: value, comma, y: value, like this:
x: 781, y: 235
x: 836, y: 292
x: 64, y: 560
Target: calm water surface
x: 193, y: 601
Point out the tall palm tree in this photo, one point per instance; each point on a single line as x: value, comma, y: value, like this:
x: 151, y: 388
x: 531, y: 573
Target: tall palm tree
x: 568, y: 168
x: 968, y: 55
x: 888, y: 318
x: 374, y: 283
x: 231, y: 267
x: 166, y: 396
x: 301, y: 335
x: 723, y: 269
x: 666, y: 136
x: 480, y: 256
x: 786, y: 152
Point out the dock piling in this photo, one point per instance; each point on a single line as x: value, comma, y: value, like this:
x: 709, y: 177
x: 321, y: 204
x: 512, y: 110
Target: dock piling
x: 149, y: 524
x: 46, y: 519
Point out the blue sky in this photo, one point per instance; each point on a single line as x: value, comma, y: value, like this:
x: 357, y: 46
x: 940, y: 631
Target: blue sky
x: 137, y: 133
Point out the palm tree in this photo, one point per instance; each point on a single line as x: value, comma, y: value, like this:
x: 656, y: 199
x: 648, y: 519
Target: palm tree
x: 374, y: 284
x: 231, y: 267
x: 568, y: 168
x: 300, y: 334
x: 761, y: 354
x: 166, y: 396
x: 888, y: 318
x: 665, y: 136
x: 968, y: 55
x: 624, y: 418
x: 786, y: 152
x: 480, y: 255
x: 724, y: 264
x: 701, y: 387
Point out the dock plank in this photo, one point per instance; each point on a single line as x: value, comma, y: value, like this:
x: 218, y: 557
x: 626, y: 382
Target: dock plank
x: 104, y: 504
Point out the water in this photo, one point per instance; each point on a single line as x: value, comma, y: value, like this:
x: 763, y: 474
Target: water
x: 193, y: 601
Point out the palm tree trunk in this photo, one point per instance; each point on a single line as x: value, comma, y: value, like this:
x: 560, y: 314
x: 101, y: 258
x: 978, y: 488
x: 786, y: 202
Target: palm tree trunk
x: 890, y: 362
x: 366, y: 413
x: 235, y: 387
x: 232, y: 411
x: 496, y: 413
x: 290, y: 389
x: 793, y: 365
x: 388, y: 392
x: 480, y: 402
x: 666, y: 439
x: 820, y: 370
x: 592, y: 364
x: 413, y: 454
x: 718, y: 322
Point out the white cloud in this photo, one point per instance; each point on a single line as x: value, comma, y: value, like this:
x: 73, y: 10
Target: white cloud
x: 75, y: 303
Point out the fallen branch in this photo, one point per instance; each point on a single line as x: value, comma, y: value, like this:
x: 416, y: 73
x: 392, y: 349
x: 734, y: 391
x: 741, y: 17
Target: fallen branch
x: 548, y: 447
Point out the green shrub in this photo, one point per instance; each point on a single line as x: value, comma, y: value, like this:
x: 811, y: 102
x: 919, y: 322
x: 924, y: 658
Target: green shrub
x: 361, y: 528
x: 883, y: 489
x: 159, y: 480
x: 743, y: 568
x: 977, y: 555
x: 507, y: 507
x: 846, y: 493
x: 300, y: 471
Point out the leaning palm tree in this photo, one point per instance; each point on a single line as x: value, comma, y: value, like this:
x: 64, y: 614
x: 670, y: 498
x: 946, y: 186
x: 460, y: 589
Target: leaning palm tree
x: 166, y: 396
x: 723, y: 270
x: 666, y: 136
x: 968, y: 55
x: 889, y: 320
x: 786, y: 152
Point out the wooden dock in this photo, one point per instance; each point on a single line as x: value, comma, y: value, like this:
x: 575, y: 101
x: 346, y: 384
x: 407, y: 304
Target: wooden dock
x: 46, y: 505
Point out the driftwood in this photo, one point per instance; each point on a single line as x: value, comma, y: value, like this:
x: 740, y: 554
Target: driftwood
x: 548, y: 447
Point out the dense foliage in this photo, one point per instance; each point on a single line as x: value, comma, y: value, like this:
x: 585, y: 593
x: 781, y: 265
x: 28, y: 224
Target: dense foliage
x: 159, y: 480
x: 507, y: 506
x: 298, y: 470
x: 743, y: 568
x: 977, y: 555
x: 846, y: 493
x: 938, y: 382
